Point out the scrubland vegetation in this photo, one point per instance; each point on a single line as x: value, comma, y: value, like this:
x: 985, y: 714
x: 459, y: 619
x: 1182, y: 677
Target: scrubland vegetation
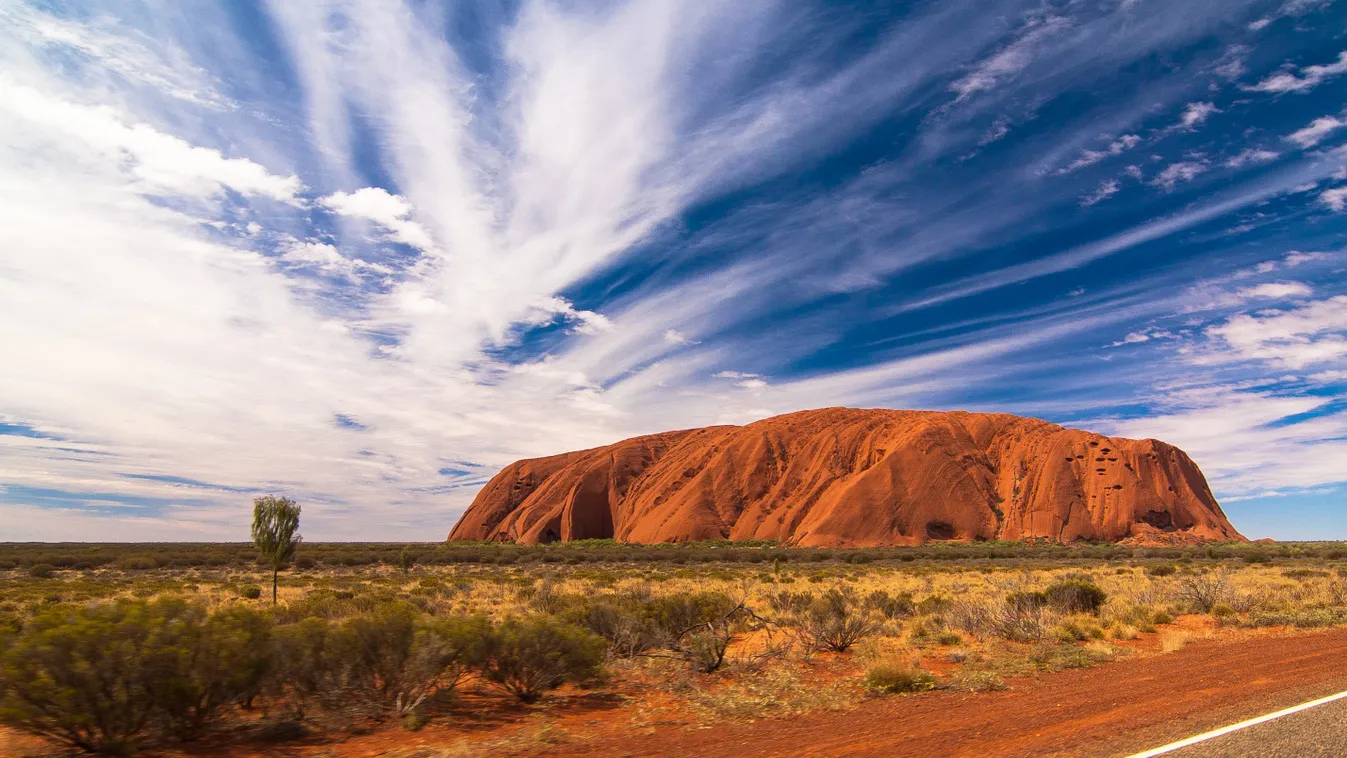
x: 112, y: 647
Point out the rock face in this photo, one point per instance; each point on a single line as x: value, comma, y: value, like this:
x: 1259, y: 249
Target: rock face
x: 845, y: 477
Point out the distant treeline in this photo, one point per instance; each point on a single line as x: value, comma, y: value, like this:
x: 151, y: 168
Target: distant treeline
x: 149, y: 556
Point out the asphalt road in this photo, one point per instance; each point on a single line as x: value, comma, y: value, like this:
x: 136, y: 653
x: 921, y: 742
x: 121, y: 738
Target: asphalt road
x: 1319, y: 732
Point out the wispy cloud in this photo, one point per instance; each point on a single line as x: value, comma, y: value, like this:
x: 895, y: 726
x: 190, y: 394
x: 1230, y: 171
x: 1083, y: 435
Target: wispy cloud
x: 1250, y: 155
x: 1195, y: 114
x: 1305, y: 80
x: 1184, y: 171
x: 1107, y: 188
x: 391, y: 212
x: 1091, y: 157
x: 1011, y: 59
x: 1317, y: 130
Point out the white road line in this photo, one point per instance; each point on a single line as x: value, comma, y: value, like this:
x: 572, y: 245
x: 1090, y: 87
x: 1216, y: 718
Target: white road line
x: 1236, y: 727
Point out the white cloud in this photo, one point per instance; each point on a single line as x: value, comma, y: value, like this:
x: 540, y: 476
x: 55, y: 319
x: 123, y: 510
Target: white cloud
x: 1091, y: 157
x: 1106, y: 189
x: 1251, y: 155
x: 1212, y: 295
x: 1275, y: 290
x: 1196, y: 113
x: 998, y: 130
x: 116, y: 50
x: 1011, y: 59
x: 390, y: 211
x: 1231, y: 64
x: 675, y: 337
x: 1247, y: 442
x: 1132, y: 338
x: 735, y: 375
x: 160, y: 162
x: 1174, y: 173
x: 1296, y: 257
x: 1335, y: 198
x: 1296, y: 338
x: 1316, y: 131
x: 1310, y: 77
x: 330, y: 260
x: 589, y: 322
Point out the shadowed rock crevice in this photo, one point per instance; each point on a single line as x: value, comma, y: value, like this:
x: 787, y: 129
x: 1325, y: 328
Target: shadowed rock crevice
x: 849, y: 477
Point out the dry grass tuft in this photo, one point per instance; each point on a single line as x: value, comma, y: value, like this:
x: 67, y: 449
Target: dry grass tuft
x: 771, y: 693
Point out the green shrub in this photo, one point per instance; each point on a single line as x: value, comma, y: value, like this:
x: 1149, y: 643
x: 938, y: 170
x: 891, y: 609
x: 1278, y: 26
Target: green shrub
x: 1027, y: 601
x: 1075, y: 596
x: 893, y: 678
x: 620, y: 621
x: 251, y: 593
x: 891, y: 606
x: 41, y: 570
x: 1222, y: 611
x: 673, y: 616
x: 1077, y: 630
x: 948, y: 639
x: 1162, y: 569
x: 205, y: 664
x: 529, y: 656
x: 103, y: 677
x: 933, y: 605
x: 137, y: 563
x: 77, y: 676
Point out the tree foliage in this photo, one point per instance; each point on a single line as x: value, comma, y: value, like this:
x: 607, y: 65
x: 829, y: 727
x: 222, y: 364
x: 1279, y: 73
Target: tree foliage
x: 275, y: 533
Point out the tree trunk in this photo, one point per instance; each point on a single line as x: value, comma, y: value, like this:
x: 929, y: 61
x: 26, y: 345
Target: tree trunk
x: 274, y: 571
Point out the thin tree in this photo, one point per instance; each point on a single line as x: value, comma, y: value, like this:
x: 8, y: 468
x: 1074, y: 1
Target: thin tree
x: 275, y: 521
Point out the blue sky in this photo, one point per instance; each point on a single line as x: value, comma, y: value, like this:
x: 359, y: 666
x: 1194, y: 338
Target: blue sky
x: 366, y: 252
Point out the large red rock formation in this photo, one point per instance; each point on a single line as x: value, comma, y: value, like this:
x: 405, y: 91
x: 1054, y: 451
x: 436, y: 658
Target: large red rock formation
x: 849, y: 477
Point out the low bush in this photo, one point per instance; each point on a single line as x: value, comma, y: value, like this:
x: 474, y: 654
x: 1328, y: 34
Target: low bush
x: 137, y: 563
x: 976, y: 681
x: 1201, y: 591
x: 102, y: 678
x: 41, y: 570
x: 893, y: 677
x: 529, y: 656
x: 1075, y: 596
x: 891, y: 606
x: 1077, y: 629
x: 1306, y: 618
x: 251, y: 593
x: 833, y: 622
x: 621, y: 623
